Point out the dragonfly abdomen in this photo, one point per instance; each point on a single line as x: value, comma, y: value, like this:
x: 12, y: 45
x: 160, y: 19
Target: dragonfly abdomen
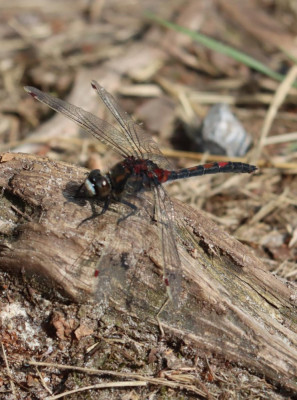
x: 211, y: 168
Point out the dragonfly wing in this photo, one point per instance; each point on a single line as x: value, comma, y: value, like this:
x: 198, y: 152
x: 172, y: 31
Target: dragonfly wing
x: 143, y: 144
x: 117, y: 269
x: 172, y: 274
x: 116, y: 266
x: 99, y: 128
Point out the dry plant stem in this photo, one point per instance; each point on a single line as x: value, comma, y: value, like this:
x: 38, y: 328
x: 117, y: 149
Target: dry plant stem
x: 98, y: 386
x: 230, y: 305
x: 8, y: 370
x: 276, y: 102
x: 43, y: 381
x: 144, y: 379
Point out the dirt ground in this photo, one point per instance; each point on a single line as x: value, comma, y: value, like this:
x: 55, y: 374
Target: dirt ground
x: 168, y: 82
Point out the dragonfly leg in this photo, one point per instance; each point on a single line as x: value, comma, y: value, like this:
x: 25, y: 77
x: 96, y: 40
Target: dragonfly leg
x: 154, y: 215
x: 96, y: 214
x: 133, y: 212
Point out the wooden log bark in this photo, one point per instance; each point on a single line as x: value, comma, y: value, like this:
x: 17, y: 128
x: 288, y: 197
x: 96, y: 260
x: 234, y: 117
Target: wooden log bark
x: 230, y: 305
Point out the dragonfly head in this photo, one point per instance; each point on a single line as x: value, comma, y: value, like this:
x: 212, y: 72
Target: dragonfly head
x: 97, y: 184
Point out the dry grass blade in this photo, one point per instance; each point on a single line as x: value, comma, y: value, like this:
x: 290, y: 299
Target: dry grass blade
x: 99, y: 386
x: 142, y: 378
x: 275, y: 203
x: 43, y: 382
x: 278, y: 99
x: 289, y: 137
x: 8, y: 370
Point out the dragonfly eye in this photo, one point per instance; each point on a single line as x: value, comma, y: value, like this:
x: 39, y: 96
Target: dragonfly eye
x: 97, y: 185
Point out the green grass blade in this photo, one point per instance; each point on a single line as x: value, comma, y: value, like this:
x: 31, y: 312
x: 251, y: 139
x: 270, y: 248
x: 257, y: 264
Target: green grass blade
x: 219, y: 47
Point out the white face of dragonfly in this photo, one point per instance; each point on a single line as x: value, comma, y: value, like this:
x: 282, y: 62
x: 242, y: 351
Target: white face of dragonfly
x: 97, y: 185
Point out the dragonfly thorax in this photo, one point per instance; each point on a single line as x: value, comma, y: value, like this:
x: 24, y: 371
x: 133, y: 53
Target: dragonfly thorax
x: 97, y: 184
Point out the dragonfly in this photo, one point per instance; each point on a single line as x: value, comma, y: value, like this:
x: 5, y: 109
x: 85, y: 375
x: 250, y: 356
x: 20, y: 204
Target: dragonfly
x: 143, y: 169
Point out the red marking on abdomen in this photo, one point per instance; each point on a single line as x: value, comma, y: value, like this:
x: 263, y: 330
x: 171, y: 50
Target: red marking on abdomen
x: 96, y: 273
x: 211, y: 165
x: 207, y: 166
x: 223, y: 164
x: 161, y: 174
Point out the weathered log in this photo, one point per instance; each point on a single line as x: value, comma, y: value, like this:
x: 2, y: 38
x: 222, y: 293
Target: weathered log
x: 229, y: 304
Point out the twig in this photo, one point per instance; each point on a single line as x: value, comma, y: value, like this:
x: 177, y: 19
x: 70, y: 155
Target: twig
x: 98, y: 386
x: 42, y: 381
x: 8, y: 371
